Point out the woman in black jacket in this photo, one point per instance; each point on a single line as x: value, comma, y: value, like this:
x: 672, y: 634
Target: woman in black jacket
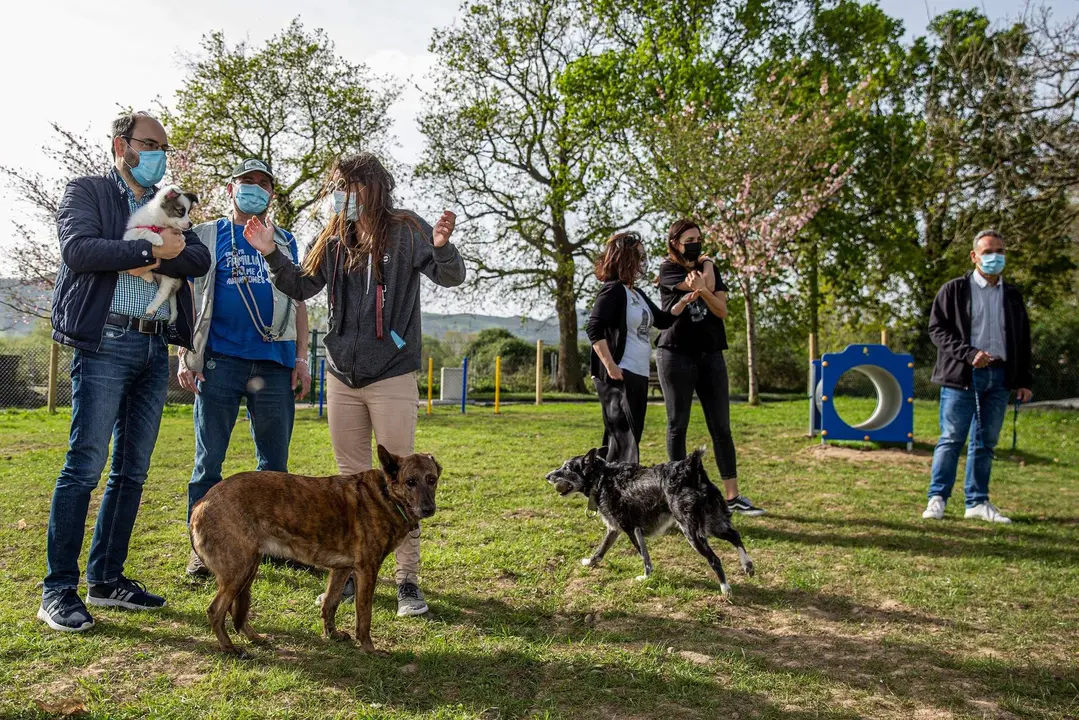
x: 690, y: 356
x: 619, y: 330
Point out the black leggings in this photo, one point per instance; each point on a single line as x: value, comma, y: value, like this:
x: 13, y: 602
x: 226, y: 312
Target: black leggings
x: 624, y: 405
x: 679, y: 375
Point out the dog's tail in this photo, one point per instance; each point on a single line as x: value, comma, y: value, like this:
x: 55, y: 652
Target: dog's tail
x: 696, y: 458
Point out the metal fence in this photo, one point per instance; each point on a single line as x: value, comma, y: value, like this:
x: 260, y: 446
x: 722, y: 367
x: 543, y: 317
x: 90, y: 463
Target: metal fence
x: 24, y: 378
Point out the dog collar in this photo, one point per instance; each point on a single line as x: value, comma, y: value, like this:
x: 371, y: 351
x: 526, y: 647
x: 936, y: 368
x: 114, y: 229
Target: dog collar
x: 151, y: 228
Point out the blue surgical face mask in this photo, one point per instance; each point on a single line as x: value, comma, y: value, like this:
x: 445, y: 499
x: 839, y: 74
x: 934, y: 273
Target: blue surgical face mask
x: 251, y: 199
x: 992, y: 263
x: 354, y: 211
x: 151, y: 168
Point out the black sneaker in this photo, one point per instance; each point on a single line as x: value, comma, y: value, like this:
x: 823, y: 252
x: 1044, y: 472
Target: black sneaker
x: 348, y: 594
x: 125, y: 593
x: 65, y: 612
x: 742, y: 504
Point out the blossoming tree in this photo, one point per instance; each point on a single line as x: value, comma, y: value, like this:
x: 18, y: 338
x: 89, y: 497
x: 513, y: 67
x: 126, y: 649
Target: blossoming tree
x: 753, y: 180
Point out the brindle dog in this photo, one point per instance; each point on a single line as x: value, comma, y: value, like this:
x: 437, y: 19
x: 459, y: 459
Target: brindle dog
x: 348, y: 524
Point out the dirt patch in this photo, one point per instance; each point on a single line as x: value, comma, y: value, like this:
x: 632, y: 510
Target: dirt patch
x: 917, y: 459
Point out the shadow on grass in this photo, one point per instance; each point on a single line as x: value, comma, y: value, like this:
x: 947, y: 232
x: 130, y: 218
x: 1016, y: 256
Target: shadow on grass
x: 529, y: 658
x: 503, y: 681
x: 937, y: 540
x: 872, y: 663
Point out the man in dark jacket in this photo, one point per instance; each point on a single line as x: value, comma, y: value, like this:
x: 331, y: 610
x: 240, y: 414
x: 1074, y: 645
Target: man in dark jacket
x: 120, y: 369
x: 979, y: 325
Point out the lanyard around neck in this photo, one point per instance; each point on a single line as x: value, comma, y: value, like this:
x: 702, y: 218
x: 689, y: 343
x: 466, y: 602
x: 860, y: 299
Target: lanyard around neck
x: 264, y: 329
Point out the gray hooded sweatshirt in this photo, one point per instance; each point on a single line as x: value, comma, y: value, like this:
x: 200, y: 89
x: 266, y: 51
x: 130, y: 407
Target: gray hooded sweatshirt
x: 356, y: 356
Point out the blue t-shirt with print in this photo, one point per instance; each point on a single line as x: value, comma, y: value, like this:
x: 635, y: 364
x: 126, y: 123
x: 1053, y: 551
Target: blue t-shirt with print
x: 232, y: 331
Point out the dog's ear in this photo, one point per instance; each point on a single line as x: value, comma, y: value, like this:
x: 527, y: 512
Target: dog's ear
x: 172, y: 194
x: 390, y: 463
x: 438, y: 465
x: 192, y: 198
x: 601, y: 454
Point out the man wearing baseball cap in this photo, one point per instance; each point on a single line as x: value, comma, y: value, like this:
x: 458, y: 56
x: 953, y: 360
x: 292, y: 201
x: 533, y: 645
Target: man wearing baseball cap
x: 250, y: 341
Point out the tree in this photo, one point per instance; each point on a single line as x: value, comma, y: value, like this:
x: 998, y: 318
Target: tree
x: 35, y: 255
x: 753, y: 180
x: 534, y: 187
x: 998, y: 147
x: 293, y: 103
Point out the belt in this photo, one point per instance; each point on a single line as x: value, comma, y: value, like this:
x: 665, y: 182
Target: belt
x: 142, y: 325
x: 997, y: 363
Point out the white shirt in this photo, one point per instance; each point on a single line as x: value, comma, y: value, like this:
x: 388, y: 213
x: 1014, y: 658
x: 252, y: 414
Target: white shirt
x: 638, y: 354
x: 987, y: 316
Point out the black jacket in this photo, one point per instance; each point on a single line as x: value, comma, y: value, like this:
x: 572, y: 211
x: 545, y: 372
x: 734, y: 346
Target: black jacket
x: 90, y: 224
x: 949, y: 327
x: 608, y: 322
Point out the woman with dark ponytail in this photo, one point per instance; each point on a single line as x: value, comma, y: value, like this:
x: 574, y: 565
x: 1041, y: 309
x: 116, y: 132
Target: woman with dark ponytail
x: 620, y: 332
x: 690, y: 356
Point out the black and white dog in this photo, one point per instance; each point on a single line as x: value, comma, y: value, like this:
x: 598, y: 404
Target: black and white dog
x: 642, y: 501
x: 169, y: 208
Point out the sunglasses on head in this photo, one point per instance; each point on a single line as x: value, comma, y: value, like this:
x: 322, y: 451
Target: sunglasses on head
x: 628, y: 240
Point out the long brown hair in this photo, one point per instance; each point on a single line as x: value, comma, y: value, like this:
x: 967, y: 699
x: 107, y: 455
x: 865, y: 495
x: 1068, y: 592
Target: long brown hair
x: 678, y: 227
x: 368, y: 235
x: 622, y: 259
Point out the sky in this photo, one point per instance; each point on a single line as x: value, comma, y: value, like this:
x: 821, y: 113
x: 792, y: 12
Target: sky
x: 75, y: 62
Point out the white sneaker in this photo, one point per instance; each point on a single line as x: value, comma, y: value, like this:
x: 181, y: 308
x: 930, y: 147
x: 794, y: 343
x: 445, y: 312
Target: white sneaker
x: 935, y: 509
x: 988, y: 512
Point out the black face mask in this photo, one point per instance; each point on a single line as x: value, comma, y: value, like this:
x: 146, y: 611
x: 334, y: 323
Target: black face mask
x: 691, y: 251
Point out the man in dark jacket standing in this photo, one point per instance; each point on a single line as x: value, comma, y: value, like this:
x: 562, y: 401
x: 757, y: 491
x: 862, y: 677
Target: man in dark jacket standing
x: 979, y: 325
x: 119, y: 371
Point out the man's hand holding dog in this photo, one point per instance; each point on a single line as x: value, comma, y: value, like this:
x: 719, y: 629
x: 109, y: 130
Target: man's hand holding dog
x: 146, y: 272
x: 172, y: 244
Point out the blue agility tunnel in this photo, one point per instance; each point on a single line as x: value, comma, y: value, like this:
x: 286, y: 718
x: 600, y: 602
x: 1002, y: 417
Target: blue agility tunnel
x: 892, y: 375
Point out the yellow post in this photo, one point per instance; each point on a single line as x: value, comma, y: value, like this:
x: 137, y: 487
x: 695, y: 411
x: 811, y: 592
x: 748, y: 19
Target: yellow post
x: 498, y: 380
x: 884, y: 337
x: 539, y: 372
x: 430, y: 381
x: 54, y: 361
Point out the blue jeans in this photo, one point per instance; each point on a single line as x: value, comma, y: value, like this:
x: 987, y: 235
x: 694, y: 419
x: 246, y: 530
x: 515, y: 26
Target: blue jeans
x: 118, y: 390
x: 979, y: 411
x: 267, y: 386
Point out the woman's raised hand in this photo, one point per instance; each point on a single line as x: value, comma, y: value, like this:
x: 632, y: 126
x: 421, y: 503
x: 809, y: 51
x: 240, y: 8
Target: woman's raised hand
x: 444, y: 228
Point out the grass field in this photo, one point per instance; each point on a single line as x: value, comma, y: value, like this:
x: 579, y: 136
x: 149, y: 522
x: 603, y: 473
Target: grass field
x: 859, y: 608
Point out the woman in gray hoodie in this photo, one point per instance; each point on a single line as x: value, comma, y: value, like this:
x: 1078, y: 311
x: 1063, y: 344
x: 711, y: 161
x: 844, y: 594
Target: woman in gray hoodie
x: 370, y: 257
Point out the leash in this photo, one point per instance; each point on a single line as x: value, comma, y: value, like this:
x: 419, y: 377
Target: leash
x: 401, y: 510
x: 1015, y: 424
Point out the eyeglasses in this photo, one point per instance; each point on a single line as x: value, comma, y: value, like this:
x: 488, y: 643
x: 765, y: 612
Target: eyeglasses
x: 151, y: 145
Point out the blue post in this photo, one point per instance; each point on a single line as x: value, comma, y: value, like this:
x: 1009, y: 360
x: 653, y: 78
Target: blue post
x: 464, y: 383
x: 321, y: 385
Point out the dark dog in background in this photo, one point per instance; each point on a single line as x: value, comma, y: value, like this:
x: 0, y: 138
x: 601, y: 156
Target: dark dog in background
x: 642, y: 501
x: 347, y: 523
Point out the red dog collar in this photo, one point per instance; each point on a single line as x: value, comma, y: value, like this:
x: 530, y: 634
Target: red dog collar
x: 151, y: 228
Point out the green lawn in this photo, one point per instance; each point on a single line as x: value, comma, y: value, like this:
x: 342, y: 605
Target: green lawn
x: 858, y: 609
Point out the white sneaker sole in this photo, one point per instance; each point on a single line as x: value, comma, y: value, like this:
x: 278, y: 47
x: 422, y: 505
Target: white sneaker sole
x: 109, y: 602
x: 755, y: 512
x: 998, y: 521
x: 412, y: 611
x: 932, y: 516
x: 45, y: 618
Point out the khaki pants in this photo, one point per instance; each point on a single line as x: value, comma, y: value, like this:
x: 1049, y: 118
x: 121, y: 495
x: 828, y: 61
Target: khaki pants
x: 388, y: 408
